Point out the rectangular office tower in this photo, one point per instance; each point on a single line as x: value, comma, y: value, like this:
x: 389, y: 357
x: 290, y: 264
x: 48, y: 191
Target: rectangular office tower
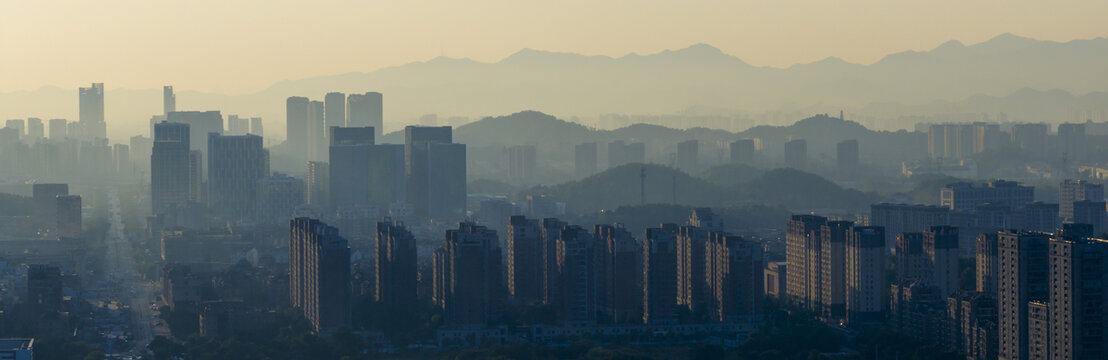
x: 951, y: 141
x: 319, y: 274
x: 58, y: 129
x: 691, y: 292
x: 551, y: 232
x: 169, y: 166
x: 867, y: 290
x: 44, y: 287
x: 200, y: 123
x: 796, y: 154
x: 902, y: 218
x: 585, y: 160
x: 396, y: 264
x: 237, y: 125
x: 235, y: 165
x: 467, y: 276
x: 619, y: 297
x: 386, y: 180
x: 19, y: 125
x: 1023, y: 259
x: 296, y: 126
x: 256, y: 127
x: 1077, y: 317
x: 1070, y: 191
x: 846, y: 157
x: 44, y: 197
x: 988, y: 270
x: 350, y: 171
x: 1071, y: 142
x: 169, y: 100
x: 734, y: 278
x: 688, y: 156
x: 659, y: 283
x: 967, y: 197
x: 522, y: 163
x: 743, y: 151
x: 364, y: 110
x: 832, y: 267
x: 1031, y: 137
x: 197, y: 191
x: 318, y: 183
x: 940, y: 247
x: 278, y: 197
x: 35, y: 130
x: 92, y: 113
x: 335, y: 103
x: 69, y: 216
x: 524, y: 260
x: 802, y: 253
x: 1092, y: 213
x: 436, y: 172
x: 121, y: 159
x: 317, y: 132
x: 576, y: 276
x: 621, y: 153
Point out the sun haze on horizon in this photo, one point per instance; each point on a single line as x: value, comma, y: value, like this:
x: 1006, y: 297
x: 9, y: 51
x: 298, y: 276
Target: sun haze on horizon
x: 198, y: 45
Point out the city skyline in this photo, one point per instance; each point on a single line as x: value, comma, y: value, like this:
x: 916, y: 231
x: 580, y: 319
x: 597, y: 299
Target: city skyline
x: 649, y: 179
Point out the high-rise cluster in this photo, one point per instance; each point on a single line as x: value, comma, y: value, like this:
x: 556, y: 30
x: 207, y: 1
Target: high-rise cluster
x: 319, y: 274
x: 836, y: 269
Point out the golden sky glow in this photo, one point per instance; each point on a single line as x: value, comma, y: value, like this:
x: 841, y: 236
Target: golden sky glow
x: 242, y: 46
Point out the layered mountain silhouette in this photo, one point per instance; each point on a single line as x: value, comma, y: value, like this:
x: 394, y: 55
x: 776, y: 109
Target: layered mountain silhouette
x: 620, y: 186
x: 555, y: 138
x: 662, y: 83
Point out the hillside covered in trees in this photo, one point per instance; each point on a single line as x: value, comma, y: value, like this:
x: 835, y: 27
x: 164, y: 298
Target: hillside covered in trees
x: 622, y: 186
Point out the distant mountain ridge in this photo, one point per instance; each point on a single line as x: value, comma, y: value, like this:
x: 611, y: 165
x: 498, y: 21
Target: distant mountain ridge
x: 661, y: 83
x: 620, y: 186
x: 555, y: 138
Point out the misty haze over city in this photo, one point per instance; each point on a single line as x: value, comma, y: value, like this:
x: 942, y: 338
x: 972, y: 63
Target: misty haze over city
x: 575, y: 180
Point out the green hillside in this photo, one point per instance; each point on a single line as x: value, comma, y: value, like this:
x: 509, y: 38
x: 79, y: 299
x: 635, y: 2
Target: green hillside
x: 786, y: 188
x: 795, y: 189
x: 621, y: 187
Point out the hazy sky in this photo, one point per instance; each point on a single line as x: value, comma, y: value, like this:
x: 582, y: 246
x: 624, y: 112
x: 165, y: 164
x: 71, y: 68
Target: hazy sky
x: 242, y: 46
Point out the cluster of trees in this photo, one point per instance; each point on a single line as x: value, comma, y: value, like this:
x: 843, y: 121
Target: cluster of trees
x: 796, y: 189
x: 64, y: 349
x: 584, y: 350
x: 787, y: 334
x: 401, y: 325
x: 289, y: 337
x: 791, y: 334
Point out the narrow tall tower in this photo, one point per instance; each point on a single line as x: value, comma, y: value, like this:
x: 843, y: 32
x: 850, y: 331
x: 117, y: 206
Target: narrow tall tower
x: 642, y: 185
x: 169, y: 100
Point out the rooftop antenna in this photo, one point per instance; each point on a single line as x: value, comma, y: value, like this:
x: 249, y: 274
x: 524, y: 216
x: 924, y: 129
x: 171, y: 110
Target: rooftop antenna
x: 642, y: 184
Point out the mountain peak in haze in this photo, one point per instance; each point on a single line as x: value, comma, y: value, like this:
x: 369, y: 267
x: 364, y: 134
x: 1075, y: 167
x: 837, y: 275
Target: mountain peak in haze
x: 529, y: 56
x: 1007, y: 42
x: 702, y: 49
x: 1010, y: 37
x: 699, y: 52
x: 949, y: 46
x: 830, y: 63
